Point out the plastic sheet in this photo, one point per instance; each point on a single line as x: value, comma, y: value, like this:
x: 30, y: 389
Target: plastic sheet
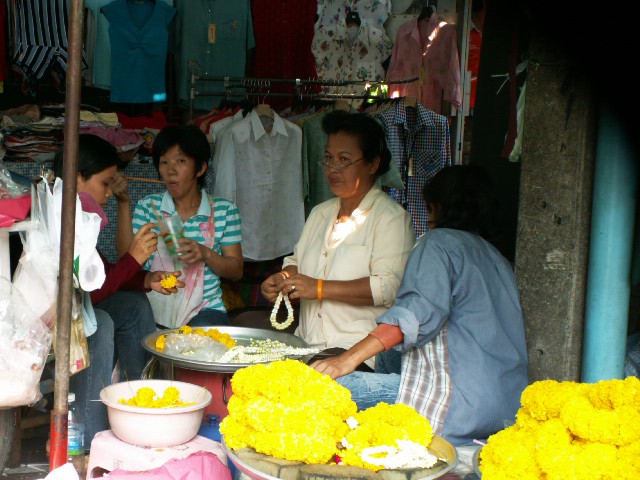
x: 195, y: 347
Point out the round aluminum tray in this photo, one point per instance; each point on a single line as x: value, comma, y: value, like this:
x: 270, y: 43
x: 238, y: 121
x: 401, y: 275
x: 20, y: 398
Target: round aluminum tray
x: 439, y: 447
x: 241, y: 335
x: 475, y: 462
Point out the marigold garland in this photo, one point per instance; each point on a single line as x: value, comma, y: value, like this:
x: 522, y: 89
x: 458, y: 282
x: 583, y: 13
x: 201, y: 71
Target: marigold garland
x: 212, y: 333
x: 384, y: 425
x: 569, y: 431
x: 287, y: 410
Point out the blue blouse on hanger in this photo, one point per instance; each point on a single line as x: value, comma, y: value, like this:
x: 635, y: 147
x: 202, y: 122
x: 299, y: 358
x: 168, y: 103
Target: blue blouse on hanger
x: 139, y: 37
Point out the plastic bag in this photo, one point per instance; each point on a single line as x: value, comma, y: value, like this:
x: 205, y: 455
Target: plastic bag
x: 194, y: 346
x: 79, y: 358
x: 25, y: 342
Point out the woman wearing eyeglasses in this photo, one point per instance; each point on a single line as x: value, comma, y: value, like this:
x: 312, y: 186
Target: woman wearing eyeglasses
x: 348, y: 263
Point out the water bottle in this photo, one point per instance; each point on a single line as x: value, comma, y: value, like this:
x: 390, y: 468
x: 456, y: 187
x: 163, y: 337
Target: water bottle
x: 75, y: 430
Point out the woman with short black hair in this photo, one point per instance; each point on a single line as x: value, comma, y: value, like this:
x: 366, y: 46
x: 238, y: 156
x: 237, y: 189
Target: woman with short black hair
x: 211, y: 247
x: 347, y: 265
x: 456, y: 319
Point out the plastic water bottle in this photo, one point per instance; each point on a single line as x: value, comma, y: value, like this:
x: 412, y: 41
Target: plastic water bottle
x: 75, y: 430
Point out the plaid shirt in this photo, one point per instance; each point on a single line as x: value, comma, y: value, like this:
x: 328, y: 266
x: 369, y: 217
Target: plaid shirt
x: 419, y: 143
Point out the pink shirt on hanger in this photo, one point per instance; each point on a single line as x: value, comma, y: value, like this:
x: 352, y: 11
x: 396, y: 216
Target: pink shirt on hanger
x: 427, y: 49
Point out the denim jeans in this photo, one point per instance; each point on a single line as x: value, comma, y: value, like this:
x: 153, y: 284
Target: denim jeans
x: 124, y: 320
x: 369, y: 389
x: 208, y: 318
x: 132, y: 321
x: 389, y: 361
x: 88, y: 383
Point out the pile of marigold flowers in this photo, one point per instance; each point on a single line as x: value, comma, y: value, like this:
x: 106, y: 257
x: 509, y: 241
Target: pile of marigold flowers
x: 569, y: 430
x: 288, y: 410
x: 212, y: 333
x: 147, y: 397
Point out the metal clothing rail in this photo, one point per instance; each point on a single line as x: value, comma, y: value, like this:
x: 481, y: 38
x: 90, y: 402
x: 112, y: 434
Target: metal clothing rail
x: 230, y: 83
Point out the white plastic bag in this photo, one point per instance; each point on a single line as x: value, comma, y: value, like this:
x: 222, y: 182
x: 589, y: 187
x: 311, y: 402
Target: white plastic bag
x: 25, y: 342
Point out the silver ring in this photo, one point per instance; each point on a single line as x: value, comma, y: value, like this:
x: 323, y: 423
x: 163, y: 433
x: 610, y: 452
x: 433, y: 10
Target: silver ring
x: 293, y: 287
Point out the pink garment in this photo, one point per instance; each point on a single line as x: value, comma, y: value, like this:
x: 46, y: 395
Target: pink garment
x: 89, y: 205
x: 427, y: 49
x: 116, y: 136
x: 197, y: 466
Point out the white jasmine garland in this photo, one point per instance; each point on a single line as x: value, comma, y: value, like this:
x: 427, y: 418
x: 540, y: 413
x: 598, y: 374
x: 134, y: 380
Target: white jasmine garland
x: 408, y: 454
x: 260, y: 351
x: 274, y: 312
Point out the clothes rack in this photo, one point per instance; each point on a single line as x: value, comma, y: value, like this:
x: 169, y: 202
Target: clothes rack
x: 231, y: 83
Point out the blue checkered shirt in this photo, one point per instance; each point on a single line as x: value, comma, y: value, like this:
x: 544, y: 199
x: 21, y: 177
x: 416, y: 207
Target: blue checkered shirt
x: 419, y: 143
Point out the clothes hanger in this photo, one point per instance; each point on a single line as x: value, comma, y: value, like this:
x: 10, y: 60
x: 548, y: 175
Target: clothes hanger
x: 426, y: 12
x: 353, y: 18
x: 264, y: 109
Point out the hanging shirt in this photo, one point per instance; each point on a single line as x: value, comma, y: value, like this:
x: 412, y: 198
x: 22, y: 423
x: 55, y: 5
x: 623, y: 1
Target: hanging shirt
x: 332, y: 12
x: 339, y: 57
x: 283, y: 32
x: 375, y: 242
x: 261, y: 172
x: 419, y: 143
x: 98, y: 37
x: 213, y: 36
x: 139, y: 38
x: 427, y: 49
x: 464, y: 364
x: 40, y: 38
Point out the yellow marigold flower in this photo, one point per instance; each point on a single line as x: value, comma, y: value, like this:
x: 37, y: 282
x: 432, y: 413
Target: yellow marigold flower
x: 618, y: 427
x: 146, y: 397
x: 629, y: 458
x: 525, y: 421
x: 544, y: 399
x: 611, y: 394
x: 169, y: 281
x: 510, y: 454
x: 160, y: 343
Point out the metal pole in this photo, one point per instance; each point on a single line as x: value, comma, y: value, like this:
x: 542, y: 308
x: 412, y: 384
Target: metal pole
x: 65, y: 279
x: 612, y: 227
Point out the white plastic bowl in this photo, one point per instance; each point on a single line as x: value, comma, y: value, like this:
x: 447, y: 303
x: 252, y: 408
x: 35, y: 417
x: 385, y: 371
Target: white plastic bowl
x: 155, y: 427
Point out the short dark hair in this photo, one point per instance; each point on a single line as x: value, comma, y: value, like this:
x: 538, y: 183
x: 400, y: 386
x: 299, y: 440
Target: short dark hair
x: 369, y: 132
x: 465, y: 198
x: 191, y: 140
x: 95, y: 154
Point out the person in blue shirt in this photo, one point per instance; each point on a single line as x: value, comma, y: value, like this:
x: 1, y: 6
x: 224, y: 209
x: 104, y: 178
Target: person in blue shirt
x: 456, y: 321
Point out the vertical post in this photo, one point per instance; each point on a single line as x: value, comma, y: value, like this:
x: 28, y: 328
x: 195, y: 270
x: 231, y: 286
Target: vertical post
x: 612, y: 229
x: 65, y: 279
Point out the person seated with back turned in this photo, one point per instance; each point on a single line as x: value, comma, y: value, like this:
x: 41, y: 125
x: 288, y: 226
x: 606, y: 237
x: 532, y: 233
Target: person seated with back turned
x: 122, y: 315
x: 457, y: 321
x: 348, y: 263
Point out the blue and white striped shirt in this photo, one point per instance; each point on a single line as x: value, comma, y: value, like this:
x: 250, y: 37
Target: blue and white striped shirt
x: 227, y: 232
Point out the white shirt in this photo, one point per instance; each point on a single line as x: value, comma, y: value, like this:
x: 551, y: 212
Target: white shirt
x: 376, y: 242
x: 262, y: 174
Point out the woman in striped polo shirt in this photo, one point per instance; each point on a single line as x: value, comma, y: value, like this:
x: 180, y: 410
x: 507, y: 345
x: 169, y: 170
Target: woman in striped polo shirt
x: 210, y: 248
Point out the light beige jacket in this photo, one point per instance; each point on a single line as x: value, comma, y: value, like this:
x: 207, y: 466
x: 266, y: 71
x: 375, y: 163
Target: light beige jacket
x: 378, y: 245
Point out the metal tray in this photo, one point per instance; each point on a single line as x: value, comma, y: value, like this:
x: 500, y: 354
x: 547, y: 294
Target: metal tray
x: 476, y: 462
x: 241, y: 335
x: 439, y: 447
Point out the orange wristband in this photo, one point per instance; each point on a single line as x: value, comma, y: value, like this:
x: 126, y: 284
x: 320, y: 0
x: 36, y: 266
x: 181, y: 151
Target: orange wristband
x: 319, y: 289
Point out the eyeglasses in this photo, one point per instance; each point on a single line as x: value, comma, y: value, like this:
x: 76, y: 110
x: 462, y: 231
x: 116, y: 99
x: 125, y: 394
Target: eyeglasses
x: 337, y: 164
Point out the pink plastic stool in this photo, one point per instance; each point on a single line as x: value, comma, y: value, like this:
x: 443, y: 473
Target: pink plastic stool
x: 109, y: 453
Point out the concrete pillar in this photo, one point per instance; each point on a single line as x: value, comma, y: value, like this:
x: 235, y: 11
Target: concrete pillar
x: 554, y: 211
